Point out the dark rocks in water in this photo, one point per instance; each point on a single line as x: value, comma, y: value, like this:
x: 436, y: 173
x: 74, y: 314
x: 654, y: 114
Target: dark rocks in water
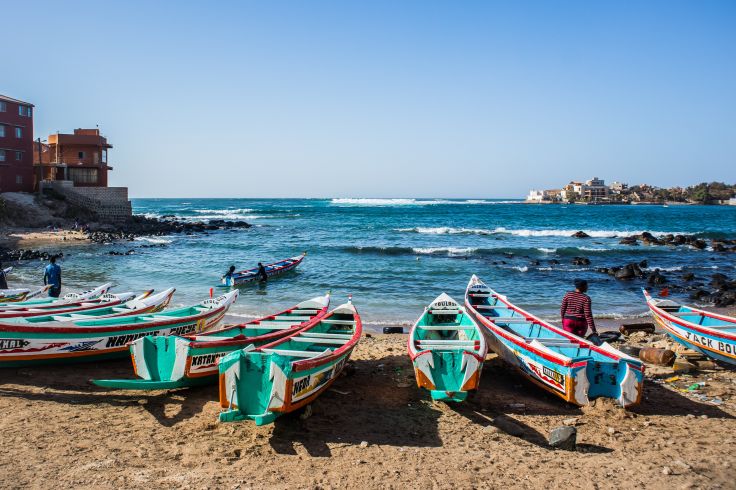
x: 553, y: 261
x: 688, y: 276
x: 114, y: 252
x: 580, y: 234
x: 701, y: 295
x: 508, y: 255
x: 629, y: 271
x: 718, y: 280
x: 656, y: 278
x: 534, y: 262
x: 629, y: 240
x: 643, y: 264
x: 604, y: 270
x: 724, y: 298
x: 144, y: 226
x: 699, y: 244
x: 580, y: 261
x: 26, y: 254
x: 564, y: 437
x: 649, y: 239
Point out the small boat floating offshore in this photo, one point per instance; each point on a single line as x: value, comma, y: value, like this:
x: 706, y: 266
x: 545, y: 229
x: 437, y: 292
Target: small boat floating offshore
x: 447, y: 349
x: 166, y: 362
x: 263, y: 383
x: 275, y: 269
x: 568, y: 366
x: 711, y: 334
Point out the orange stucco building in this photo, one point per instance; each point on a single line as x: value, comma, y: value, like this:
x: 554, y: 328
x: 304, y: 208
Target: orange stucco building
x: 80, y: 157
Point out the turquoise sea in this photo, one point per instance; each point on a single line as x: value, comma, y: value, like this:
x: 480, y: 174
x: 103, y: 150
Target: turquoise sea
x: 396, y: 255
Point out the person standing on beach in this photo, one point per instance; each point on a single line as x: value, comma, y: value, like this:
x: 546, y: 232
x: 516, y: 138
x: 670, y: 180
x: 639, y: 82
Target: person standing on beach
x: 227, y: 279
x: 262, y: 276
x: 52, y: 276
x: 3, y: 279
x: 576, y: 311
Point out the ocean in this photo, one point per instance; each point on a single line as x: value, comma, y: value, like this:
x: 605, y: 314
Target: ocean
x: 395, y: 255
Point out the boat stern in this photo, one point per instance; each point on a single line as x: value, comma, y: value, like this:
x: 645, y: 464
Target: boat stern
x: 251, y: 385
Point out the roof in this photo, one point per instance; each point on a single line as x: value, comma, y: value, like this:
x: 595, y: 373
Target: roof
x: 15, y: 101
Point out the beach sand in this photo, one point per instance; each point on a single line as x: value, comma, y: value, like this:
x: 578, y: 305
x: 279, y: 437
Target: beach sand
x: 373, y: 429
x: 28, y: 238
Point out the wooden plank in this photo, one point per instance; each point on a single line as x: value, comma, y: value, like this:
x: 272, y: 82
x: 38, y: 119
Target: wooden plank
x: 338, y: 322
x: 293, y: 353
x: 448, y: 327
x: 315, y: 340
x: 326, y: 335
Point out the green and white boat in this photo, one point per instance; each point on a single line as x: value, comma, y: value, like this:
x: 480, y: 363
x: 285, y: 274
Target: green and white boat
x: 447, y: 349
x: 52, y: 303
x: 94, y: 339
x: 178, y: 361
x: 263, y: 383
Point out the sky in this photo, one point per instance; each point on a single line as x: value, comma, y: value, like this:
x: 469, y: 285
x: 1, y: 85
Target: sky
x: 383, y: 98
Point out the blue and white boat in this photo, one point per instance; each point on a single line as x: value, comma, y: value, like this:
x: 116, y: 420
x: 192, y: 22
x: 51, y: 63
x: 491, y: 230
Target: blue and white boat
x: 564, y: 364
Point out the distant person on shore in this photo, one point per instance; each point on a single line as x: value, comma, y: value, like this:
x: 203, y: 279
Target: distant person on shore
x: 3, y: 279
x: 52, y: 276
x: 576, y: 311
x: 227, y: 279
x: 262, y: 276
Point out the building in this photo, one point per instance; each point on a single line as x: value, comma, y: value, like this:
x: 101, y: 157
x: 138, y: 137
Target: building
x: 535, y: 196
x: 571, y: 191
x: 80, y: 157
x: 731, y: 202
x: 16, y: 145
x: 594, y: 189
x: 619, y: 187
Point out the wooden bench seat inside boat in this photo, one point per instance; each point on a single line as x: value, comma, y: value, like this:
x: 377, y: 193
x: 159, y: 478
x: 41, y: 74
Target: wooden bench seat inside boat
x: 445, y: 312
x: 450, y: 343
x: 293, y: 353
x: 292, y: 318
x: 338, y: 322
x: 327, y: 335
x: 271, y: 325
x: 318, y: 340
x: 448, y: 327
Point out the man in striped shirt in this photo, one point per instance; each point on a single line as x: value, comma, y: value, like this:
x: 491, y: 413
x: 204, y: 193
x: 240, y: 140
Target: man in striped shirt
x: 575, y: 310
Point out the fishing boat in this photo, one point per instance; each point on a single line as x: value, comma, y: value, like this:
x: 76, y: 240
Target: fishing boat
x: 275, y: 269
x: 12, y: 296
x: 447, y: 349
x: 95, y: 339
x: 709, y: 333
x: 122, y: 304
x: 89, y: 295
x: 564, y: 364
x: 165, y: 362
x: 265, y: 382
x: 104, y: 301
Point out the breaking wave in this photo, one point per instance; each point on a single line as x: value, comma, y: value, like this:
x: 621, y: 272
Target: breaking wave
x: 410, y: 201
x: 152, y: 239
x: 447, y: 230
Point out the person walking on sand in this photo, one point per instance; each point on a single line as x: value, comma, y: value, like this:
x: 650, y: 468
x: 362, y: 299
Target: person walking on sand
x: 262, y: 276
x: 576, y: 311
x: 227, y: 279
x: 3, y: 279
x: 52, y: 276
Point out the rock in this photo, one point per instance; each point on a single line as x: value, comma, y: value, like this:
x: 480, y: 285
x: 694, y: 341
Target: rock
x: 389, y: 330
x: 629, y: 240
x: 682, y: 366
x: 688, y: 276
x: 580, y: 261
x: 629, y: 271
x: 563, y: 438
x: 571, y: 422
x: 534, y: 262
x: 706, y: 365
x: 649, y: 239
x: 667, y: 470
x: 554, y: 261
x: 611, y: 431
x: 644, y: 264
x: 640, y: 329
x: 491, y: 429
x: 508, y: 425
x: 580, y: 234
x: 656, y: 278
x: 363, y: 444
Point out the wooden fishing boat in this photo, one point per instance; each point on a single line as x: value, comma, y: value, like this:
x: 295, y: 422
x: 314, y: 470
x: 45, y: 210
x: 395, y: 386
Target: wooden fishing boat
x: 275, y: 269
x: 51, y: 303
x: 709, y: 333
x: 447, y: 349
x: 562, y: 363
x: 266, y: 382
x: 178, y: 361
x: 11, y: 296
x: 96, y: 339
x: 116, y: 305
x: 95, y: 306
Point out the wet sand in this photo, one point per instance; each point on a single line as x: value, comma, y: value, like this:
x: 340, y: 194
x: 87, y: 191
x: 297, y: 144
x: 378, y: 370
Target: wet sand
x: 373, y: 429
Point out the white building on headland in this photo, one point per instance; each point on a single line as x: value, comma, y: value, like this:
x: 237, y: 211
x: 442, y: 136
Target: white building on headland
x: 731, y: 202
x: 535, y: 196
x: 618, y: 187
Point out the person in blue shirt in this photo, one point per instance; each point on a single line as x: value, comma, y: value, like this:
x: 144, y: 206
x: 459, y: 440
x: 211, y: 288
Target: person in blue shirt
x: 52, y: 276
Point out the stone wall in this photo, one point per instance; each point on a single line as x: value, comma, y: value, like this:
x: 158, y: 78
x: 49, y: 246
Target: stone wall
x: 110, y: 204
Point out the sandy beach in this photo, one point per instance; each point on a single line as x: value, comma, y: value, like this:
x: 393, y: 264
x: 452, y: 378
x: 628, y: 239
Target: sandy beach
x: 373, y: 429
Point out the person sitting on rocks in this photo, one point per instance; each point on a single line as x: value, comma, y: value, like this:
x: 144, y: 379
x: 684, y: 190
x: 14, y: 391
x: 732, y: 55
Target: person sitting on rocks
x: 52, y: 276
x: 227, y: 279
x: 576, y: 310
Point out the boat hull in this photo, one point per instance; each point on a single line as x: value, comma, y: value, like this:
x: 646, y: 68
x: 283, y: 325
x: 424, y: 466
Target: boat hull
x: 714, y: 346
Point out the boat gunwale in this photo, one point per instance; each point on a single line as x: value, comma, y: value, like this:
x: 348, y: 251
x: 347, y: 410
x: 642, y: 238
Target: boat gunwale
x: 656, y: 310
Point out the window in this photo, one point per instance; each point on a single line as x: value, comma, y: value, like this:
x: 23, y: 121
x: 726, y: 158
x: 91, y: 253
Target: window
x: 18, y: 156
x: 3, y: 106
x: 18, y: 132
x: 81, y: 155
x: 24, y: 110
x: 2, y: 155
x: 2, y: 131
x: 83, y: 175
x: 18, y: 179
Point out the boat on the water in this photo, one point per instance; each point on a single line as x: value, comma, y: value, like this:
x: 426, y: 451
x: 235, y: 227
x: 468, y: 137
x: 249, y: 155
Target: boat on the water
x: 165, y: 362
x: 447, y: 349
x: 121, y: 304
x: 94, y: 339
x: 94, y: 306
x: 51, y: 303
x: 564, y: 364
x: 274, y: 269
x: 709, y: 333
x: 265, y: 382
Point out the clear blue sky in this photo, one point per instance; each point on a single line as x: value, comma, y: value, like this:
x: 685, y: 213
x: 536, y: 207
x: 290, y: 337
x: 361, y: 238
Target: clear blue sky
x: 383, y: 99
